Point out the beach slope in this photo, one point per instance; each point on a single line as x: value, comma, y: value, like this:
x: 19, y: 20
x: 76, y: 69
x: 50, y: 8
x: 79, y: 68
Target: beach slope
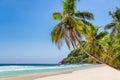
x: 98, y: 73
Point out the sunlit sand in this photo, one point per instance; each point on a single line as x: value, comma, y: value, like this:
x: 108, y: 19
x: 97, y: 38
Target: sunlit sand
x: 98, y: 73
x: 102, y: 72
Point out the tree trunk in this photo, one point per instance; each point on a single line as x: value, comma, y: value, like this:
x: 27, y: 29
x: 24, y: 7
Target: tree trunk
x: 93, y: 57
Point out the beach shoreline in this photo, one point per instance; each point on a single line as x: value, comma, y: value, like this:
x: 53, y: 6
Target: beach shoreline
x: 101, y: 72
x: 98, y: 73
x: 45, y: 74
x: 37, y: 75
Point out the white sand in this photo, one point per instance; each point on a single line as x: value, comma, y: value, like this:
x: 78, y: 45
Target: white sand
x: 102, y: 72
x: 98, y: 73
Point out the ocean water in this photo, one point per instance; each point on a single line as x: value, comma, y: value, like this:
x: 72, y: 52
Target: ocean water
x: 7, y: 70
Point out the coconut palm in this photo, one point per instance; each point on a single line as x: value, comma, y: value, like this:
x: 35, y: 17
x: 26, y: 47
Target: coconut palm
x: 71, y: 27
x: 115, y: 24
x: 96, y: 41
x: 71, y: 24
x: 114, y: 51
x: 114, y: 39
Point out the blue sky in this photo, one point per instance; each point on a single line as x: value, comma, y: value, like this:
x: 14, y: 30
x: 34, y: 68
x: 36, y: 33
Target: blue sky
x: 25, y: 27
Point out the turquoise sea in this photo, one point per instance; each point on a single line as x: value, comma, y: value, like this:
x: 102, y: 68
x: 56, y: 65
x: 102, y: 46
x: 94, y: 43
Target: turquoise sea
x: 7, y: 70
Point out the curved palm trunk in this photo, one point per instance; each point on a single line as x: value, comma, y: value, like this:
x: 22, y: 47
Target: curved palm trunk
x: 93, y: 57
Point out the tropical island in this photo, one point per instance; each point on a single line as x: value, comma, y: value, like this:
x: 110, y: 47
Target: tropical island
x: 94, y: 49
x: 77, y: 57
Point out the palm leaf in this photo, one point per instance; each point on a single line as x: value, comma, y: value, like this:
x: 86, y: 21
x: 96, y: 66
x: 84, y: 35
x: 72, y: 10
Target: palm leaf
x: 117, y: 14
x: 111, y: 25
x: 114, y: 31
x: 101, y: 35
x: 84, y: 15
x: 69, y: 6
x: 117, y: 37
x: 55, y: 32
x: 87, y: 23
x: 116, y: 61
x: 57, y: 16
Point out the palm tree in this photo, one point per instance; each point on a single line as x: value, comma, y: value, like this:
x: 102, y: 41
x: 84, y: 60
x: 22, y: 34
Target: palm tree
x: 112, y: 52
x: 95, y: 41
x: 71, y: 27
x: 115, y: 51
x: 114, y: 40
x: 115, y: 24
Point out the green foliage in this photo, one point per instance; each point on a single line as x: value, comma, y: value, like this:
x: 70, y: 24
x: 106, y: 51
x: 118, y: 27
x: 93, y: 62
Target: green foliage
x: 77, y: 57
x: 69, y: 6
x: 70, y: 27
x: 57, y: 16
x: 90, y: 44
x: 115, y: 24
x: 117, y: 37
x: 101, y: 35
x: 116, y: 61
x: 84, y: 15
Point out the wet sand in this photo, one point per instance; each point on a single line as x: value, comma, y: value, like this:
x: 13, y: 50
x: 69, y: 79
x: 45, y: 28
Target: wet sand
x: 38, y: 75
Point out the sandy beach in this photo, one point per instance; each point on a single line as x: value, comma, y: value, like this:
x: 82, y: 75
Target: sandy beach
x: 98, y: 73
x: 38, y: 75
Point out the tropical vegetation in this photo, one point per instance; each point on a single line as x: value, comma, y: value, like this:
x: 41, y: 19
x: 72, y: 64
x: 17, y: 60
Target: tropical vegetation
x: 77, y: 57
x: 74, y: 28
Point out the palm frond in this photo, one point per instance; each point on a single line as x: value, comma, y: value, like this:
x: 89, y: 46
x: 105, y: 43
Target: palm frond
x: 84, y: 15
x: 117, y: 14
x: 57, y: 16
x: 114, y: 31
x: 67, y: 40
x: 101, y: 35
x: 117, y: 37
x: 87, y: 23
x: 116, y: 61
x: 110, y: 25
x: 69, y: 6
x: 117, y: 48
x: 94, y: 30
x: 112, y: 14
x: 56, y: 32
